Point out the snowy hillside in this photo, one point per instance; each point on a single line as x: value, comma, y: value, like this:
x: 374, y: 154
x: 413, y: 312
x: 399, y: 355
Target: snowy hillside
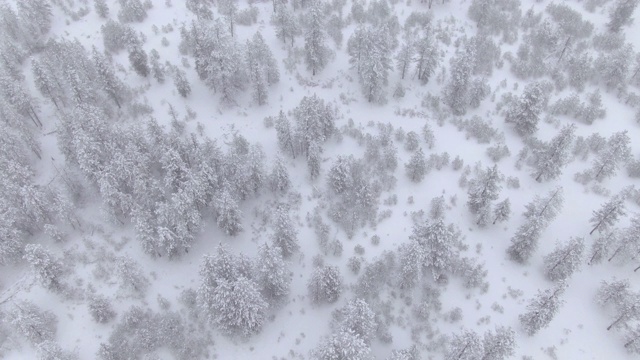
x: 344, y: 179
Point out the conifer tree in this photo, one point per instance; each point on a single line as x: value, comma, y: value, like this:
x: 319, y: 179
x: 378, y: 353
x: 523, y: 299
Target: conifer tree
x: 542, y: 309
x: 416, y: 168
x: 285, y: 236
x: 552, y: 157
x: 317, y: 53
x: 484, y: 189
x: 524, y: 112
x: 610, y: 212
x: 466, y: 345
x: 272, y: 275
x: 499, y: 345
x: 564, y: 260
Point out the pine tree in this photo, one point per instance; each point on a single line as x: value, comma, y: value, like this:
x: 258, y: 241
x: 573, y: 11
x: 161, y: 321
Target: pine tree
x: 357, y: 317
x: 101, y: 8
x: 50, y: 350
x: 465, y: 346
x: 131, y: 11
x: 524, y: 112
x: 427, y: 58
x: 109, y: 82
x: 344, y: 345
x: 626, y: 309
x: 627, y: 245
x: 286, y: 25
x: 502, y: 211
x: 316, y: 51
x: 132, y: 279
x: 632, y: 340
x: 607, y: 216
x: 286, y: 140
x: 272, y: 275
x: 602, y: 246
x: 416, y: 168
x: 313, y: 160
x: 542, y: 308
x: 405, y: 56
x: 615, y: 151
x: 484, y: 189
x: 369, y: 53
x: 621, y: 14
x: 181, y: 82
x: 139, y: 61
x: 539, y: 213
x: 438, y: 246
x: 101, y: 309
x: 455, y: 92
x: 228, y: 214
x: 564, y: 260
x: 238, y: 307
x: 262, y: 67
x: 279, y: 180
x: 33, y: 323
x: 315, y: 122
x: 47, y: 268
x: 325, y: 285
x: 552, y: 157
x: 613, y: 293
x: 285, y: 236
x: 499, y: 345
x: 405, y: 354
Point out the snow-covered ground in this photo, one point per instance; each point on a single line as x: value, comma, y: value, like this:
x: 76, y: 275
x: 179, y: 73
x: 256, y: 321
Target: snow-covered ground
x: 293, y: 329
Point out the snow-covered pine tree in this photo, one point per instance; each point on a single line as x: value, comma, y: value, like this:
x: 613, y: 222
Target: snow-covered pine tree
x: 285, y: 236
x: 357, y: 316
x: 132, y: 279
x: 50, y: 350
x: 539, y: 213
x: 139, y: 61
x: 47, y: 269
x: 542, y: 308
x: 101, y: 309
x: 182, y: 84
x: 416, y: 168
x: 614, y: 292
x: 621, y: 14
x: 427, y: 56
x: 315, y: 121
x: 564, y: 260
x: 552, y: 157
x: 33, y: 323
x: 286, y: 139
x: 109, y: 82
x: 484, y: 189
x: 502, y: 211
x: 602, y: 246
x: 313, y: 160
x: 131, y: 11
x: 525, y: 111
x: 411, y: 353
x: 344, y: 345
x: 404, y: 58
x: 499, y: 345
x: 626, y: 309
x: 285, y: 23
x: 228, y: 214
x: 438, y: 246
x: 455, y: 92
x: 615, y: 152
x: 632, y: 340
x: 316, y: 52
x: 238, y: 307
x: 466, y: 345
x: 272, y: 275
x: 101, y: 8
x: 369, y: 53
x: 279, y: 180
x: 325, y: 285
x: 610, y: 212
x: 627, y: 245
x: 262, y: 68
